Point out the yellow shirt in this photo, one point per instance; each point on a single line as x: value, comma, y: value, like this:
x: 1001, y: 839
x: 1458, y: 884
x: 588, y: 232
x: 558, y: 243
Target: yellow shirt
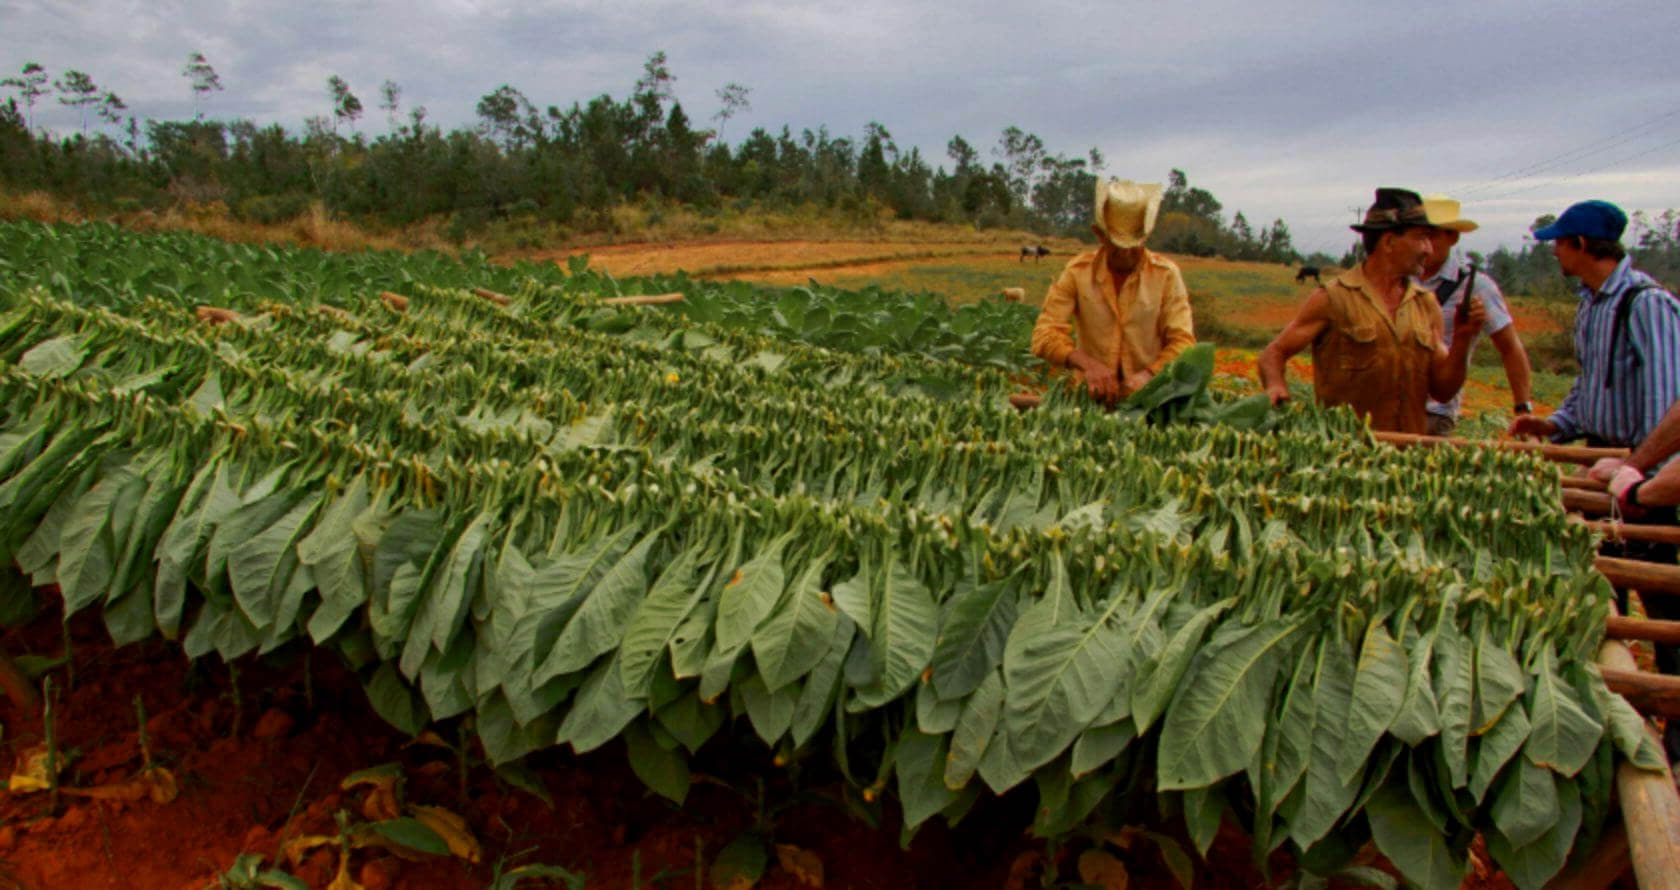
x: 1144, y: 324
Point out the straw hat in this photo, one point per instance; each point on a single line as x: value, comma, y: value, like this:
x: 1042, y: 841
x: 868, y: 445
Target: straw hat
x: 1126, y: 210
x: 1443, y: 213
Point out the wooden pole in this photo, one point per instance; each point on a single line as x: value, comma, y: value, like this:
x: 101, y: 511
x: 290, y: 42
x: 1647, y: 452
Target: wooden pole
x: 1591, y: 503
x: 1608, y: 861
x: 492, y: 296
x: 1617, y: 627
x: 643, y: 300
x: 1650, y: 693
x: 1663, y: 534
x: 1025, y: 400
x: 394, y: 300
x: 1645, y: 577
x: 1584, y: 483
x: 1650, y: 805
x: 1569, y: 454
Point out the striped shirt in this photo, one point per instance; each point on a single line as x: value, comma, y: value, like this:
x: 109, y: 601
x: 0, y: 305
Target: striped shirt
x: 1646, y: 366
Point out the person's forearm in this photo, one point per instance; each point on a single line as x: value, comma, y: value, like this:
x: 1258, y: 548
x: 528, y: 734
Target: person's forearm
x: 1661, y: 490
x: 1271, y: 365
x: 1447, y: 377
x: 1520, y: 375
x: 1662, y: 442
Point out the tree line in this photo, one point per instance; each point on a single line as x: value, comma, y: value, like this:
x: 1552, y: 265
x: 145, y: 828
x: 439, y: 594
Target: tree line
x: 567, y: 165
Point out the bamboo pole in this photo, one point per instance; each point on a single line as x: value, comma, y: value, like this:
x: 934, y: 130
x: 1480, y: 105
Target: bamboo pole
x: 1569, y: 454
x: 643, y: 300
x: 1650, y: 805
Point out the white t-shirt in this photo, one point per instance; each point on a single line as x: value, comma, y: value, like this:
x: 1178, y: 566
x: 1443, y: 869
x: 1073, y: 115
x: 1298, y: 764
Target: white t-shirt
x: 1454, y: 270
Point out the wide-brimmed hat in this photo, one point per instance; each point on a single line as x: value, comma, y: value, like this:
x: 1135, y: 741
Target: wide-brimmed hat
x: 1126, y: 210
x: 1444, y: 213
x: 1393, y: 209
x: 1599, y: 220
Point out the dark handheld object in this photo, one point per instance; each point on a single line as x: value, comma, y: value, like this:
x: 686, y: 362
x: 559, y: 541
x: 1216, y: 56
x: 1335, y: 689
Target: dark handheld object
x: 1469, y: 291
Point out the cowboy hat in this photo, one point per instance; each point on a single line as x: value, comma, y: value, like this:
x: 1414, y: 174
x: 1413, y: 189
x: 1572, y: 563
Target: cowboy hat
x: 1393, y: 209
x: 1443, y: 213
x: 1126, y: 210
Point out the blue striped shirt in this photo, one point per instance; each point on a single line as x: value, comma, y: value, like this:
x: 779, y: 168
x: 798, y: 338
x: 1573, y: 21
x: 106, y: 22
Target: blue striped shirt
x: 1646, y: 365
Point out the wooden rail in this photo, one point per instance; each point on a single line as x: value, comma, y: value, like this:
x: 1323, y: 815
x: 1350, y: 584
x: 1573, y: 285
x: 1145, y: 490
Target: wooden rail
x: 643, y: 300
x: 1655, y: 630
x: 1650, y: 805
x: 1662, y: 534
x: 1568, y: 454
x: 492, y: 296
x: 1645, y: 577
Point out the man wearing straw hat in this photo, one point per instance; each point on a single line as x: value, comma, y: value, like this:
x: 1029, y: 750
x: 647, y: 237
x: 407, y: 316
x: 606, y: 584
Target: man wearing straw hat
x: 1451, y: 277
x: 1119, y: 313
x: 1376, y: 335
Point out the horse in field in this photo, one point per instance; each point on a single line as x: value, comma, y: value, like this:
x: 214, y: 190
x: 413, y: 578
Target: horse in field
x: 1306, y: 272
x: 1035, y: 251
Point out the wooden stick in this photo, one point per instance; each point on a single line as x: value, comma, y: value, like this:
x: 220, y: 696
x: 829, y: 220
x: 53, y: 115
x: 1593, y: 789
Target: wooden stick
x: 1584, y: 483
x: 1650, y: 804
x: 1569, y: 454
x: 492, y: 296
x: 1645, y: 577
x: 394, y: 300
x: 1591, y: 503
x: 1617, y: 627
x: 643, y: 300
x: 1025, y: 400
x: 1663, y: 534
x: 212, y: 315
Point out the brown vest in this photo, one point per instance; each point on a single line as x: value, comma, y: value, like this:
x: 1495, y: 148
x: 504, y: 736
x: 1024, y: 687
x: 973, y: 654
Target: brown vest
x: 1376, y: 363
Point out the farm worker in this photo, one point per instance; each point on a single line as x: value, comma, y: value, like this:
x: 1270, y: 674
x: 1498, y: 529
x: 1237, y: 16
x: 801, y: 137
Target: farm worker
x: 1376, y: 335
x: 1450, y: 276
x: 1119, y: 313
x: 1627, y: 336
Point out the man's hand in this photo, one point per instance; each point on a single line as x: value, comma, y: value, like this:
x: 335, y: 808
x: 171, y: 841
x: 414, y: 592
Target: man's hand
x: 1102, y: 383
x: 1625, y: 478
x: 1471, y: 321
x: 1135, y: 381
x: 1605, y: 468
x: 1278, y: 393
x: 1529, y: 426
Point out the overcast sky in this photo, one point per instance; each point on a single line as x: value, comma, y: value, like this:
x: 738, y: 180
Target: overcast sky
x: 1294, y: 110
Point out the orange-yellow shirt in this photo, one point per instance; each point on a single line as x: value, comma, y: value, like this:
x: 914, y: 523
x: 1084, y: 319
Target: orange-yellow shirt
x: 1143, y: 324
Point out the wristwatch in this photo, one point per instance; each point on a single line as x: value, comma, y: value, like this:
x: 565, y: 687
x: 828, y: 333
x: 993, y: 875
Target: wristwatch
x: 1523, y: 408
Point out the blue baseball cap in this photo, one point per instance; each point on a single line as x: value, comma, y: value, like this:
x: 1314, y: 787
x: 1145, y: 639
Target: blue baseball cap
x: 1588, y: 219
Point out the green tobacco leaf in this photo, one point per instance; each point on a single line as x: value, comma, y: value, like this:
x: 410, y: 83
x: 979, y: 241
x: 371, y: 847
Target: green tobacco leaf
x: 1499, y: 681
x: 86, y: 560
x: 750, y: 595
x: 1525, y: 803
x: 1323, y: 798
x: 1498, y: 746
x: 1059, y: 666
x: 1420, y: 712
x: 1379, y: 688
x: 1099, y: 745
x: 1454, y: 679
x: 1203, y: 810
x: 771, y: 713
x: 599, y: 623
x: 919, y: 764
x: 974, y: 627
x: 902, y: 644
x: 794, y: 639
x: 816, y: 696
x: 1215, y: 724
x: 600, y: 712
x: 1404, y: 835
x: 261, y: 569
x: 656, y: 619
x: 394, y: 700
x: 55, y: 358
x: 1532, y: 865
x: 975, y: 731
x: 1564, y: 734
x: 1151, y: 696
x: 664, y: 771
x: 741, y: 864
x: 1633, y: 736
